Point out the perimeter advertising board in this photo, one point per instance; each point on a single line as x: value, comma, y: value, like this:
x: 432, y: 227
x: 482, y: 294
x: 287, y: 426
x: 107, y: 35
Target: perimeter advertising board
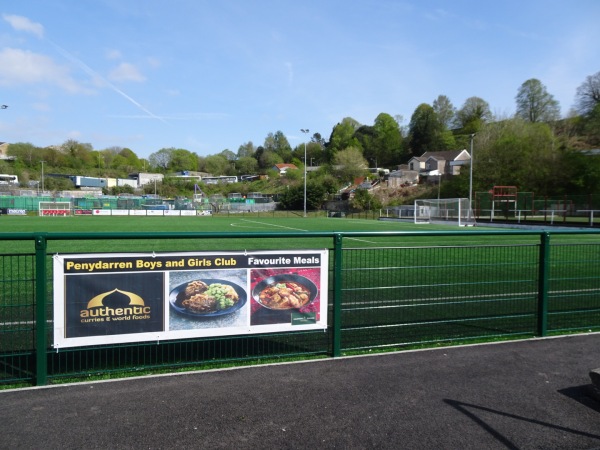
x: 109, y: 298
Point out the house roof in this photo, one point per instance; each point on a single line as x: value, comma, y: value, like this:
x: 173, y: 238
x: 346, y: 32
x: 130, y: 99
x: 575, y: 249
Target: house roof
x: 448, y: 155
x: 285, y: 166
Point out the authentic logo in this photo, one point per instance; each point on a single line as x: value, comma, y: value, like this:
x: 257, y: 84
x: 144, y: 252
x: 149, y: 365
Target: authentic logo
x: 115, y: 306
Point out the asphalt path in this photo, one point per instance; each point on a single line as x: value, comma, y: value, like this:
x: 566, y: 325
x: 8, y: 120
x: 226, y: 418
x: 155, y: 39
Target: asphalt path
x: 530, y: 394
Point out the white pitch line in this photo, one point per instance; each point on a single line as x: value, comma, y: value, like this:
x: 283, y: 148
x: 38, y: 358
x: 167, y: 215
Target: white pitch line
x: 272, y: 225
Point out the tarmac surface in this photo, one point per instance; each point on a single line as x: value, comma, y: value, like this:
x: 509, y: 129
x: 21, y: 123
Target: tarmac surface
x: 530, y: 394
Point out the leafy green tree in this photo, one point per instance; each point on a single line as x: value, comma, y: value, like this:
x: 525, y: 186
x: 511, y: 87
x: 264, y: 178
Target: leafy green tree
x: 364, y: 200
x: 105, y: 157
x: 318, y: 139
x: 217, y: 165
x: 294, y: 175
x: 387, y: 144
x: 78, y: 155
x: 117, y: 162
x: 117, y: 190
x: 247, y: 165
x: 535, y: 104
x: 25, y: 152
x: 278, y: 144
x: 580, y: 173
x: 293, y: 197
x: 229, y: 155
x: 445, y: 110
x: 268, y: 159
x: 182, y: 160
x: 58, y: 184
x: 425, y: 131
x: 246, y: 149
x: 133, y: 162
x: 366, y: 137
x: 588, y: 94
x: 54, y: 157
x: 349, y: 164
x: 591, y: 126
x: 342, y: 137
x: 516, y: 153
x: 474, y: 113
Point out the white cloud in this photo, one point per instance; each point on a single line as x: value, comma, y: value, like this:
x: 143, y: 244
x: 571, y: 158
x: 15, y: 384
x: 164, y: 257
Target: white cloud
x: 21, y: 67
x: 21, y: 23
x: 126, y: 72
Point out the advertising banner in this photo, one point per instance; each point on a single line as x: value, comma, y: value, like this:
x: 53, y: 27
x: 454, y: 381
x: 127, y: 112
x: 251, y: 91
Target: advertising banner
x: 109, y: 298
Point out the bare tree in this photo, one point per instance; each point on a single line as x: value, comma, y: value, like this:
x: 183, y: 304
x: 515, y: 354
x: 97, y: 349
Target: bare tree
x: 588, y: 94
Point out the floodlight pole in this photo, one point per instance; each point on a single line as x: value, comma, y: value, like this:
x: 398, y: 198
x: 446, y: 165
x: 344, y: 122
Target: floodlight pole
x: 42, y: 176
x: 305, y: 131
x: 471, y: 175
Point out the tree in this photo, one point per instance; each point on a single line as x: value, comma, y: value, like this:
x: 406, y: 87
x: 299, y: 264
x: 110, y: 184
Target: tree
x: 279, y: 144
x: 365, y: 201
x: 591, y: 126
x: 445, y: 110
x: 425, y: 131
x: 25, y: 152
x: 342, y: 137
x: 293, y: 197
x: 588, y: 94
x: 217, y: 165
x: 535, y: 104
x: 246, y: 165
x: 182, y: 160
x: 516, y: 153
x: 78, y: 155
x: 131, y: 162
x: 387, y: 144
x: 246, y: 149
x: 314, y: 153
x: 474, y: 113
x: 161, y: 159
x: 268, y: 159
x: 229, y: 155
x: 349, y: 164
x: 318, y: 139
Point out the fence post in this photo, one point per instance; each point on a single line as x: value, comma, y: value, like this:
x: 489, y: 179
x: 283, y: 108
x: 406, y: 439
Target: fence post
x: 40, y: 310
x: 543, y: 276
x: 337, y: 295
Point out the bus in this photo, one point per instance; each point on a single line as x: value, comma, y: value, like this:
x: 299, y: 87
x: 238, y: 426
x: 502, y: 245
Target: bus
x: 221, y: 179
x: 8, y: 179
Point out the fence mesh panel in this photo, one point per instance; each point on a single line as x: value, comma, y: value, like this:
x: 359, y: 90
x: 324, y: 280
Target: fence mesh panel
x: 574, y: 287
x: 400, y: 296
x: 17, y: 317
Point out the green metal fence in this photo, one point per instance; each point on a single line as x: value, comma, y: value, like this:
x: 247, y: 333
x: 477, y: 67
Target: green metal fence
x: 396, y: 292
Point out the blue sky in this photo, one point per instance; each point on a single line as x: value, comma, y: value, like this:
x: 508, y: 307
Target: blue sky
x: 208, y: 76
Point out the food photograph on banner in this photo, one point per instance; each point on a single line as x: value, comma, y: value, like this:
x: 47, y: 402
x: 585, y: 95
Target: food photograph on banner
x: 285, y: 296
x: 112, y: 298
x: 208, y: 299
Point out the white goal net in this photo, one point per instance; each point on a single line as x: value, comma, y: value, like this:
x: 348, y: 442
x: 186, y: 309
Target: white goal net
x: 55, y: 208
x: 451, y: 211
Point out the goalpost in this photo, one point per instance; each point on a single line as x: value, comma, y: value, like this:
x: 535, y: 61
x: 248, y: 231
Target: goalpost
x: 55, y: 209
x: 451, y: 211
